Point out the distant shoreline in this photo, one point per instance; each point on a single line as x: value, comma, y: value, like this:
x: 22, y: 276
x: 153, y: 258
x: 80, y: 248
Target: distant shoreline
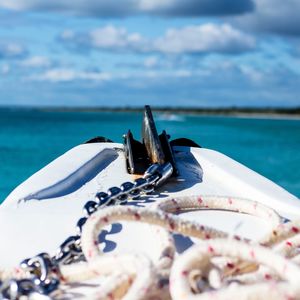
x: 245, y: 112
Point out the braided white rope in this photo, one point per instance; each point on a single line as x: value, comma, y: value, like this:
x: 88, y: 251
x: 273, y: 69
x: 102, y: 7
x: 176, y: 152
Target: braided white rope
x: 134, y: 270
x: 170, y: 222
x: 284, y: 240
x: 198, y: 257
x: 239, y: 205
x: 283, y: 232
x: 157, y: 215
x: 234, y: 204
x: 137, y: 277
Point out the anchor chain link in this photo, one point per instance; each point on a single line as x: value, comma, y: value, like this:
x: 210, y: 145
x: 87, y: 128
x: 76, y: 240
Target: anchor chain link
x: 43, y: 271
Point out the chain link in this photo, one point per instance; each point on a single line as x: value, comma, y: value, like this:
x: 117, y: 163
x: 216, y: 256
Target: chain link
x: 43, y: 270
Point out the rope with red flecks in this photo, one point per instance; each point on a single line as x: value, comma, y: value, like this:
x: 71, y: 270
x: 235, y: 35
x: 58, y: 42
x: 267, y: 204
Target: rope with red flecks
x: 220, y: 266
x: 161, y: 215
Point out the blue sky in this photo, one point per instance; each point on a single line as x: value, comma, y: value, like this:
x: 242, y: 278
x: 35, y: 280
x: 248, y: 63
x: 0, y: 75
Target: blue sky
x: 207, y: 53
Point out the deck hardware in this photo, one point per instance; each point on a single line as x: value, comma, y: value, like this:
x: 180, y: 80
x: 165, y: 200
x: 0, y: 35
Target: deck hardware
x: 153, y: 149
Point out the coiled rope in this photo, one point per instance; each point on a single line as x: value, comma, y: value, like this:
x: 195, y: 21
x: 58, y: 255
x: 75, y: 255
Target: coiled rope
x: 218, y: 267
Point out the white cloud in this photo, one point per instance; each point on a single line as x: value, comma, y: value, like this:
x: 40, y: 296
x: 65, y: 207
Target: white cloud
x: 204, y: 38
x: 151, y: 62
x: 65, y: 75
x: 183, y: 73
x: 106, y: 38
x: 11, y: 50
x: 276, y: 16
x: 5, y: 69
x: 36, y: 62
x: 150, y: 5
x: 252, y: 73
x: 111, y: 37
x: 67, y: 34
x: 214, y: 79
x: 105, y: 8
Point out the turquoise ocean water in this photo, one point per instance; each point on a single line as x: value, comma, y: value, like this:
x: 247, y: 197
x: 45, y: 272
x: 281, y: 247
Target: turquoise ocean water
x: 30, y: 139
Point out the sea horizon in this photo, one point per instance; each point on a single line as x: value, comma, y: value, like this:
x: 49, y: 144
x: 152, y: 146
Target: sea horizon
x: 279, y: 112
x: 30, y: 139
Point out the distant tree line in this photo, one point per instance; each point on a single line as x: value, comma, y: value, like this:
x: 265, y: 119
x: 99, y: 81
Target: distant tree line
x: 175, y: 110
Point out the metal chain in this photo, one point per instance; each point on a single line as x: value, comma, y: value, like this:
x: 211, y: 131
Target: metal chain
x: 43, y: 270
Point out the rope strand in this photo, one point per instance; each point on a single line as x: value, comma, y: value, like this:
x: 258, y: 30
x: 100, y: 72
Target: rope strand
x: 218, y: 266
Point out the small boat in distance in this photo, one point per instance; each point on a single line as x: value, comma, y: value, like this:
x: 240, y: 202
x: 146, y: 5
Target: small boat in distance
x: 170, y: 117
